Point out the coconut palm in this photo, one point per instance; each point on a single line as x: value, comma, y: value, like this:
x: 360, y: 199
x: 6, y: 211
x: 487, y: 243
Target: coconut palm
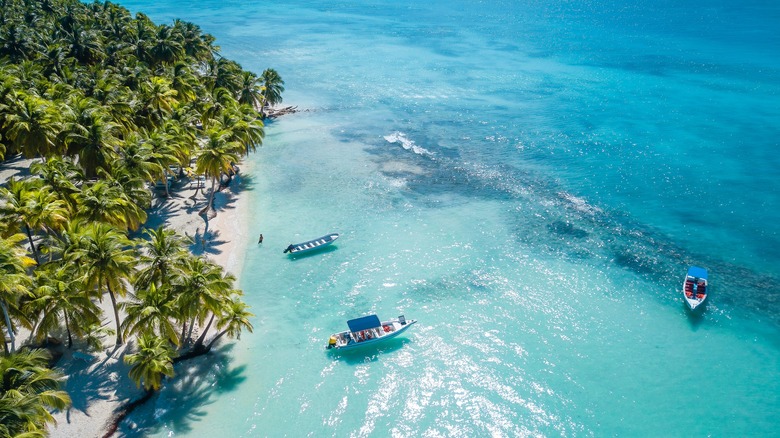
x: 59, y: 298
x: 16, y: 41
x: 251, y: 91
x: 105, y: 201
x: 137, y: 159
x: 61, y: 175
x: 273, y: 88
x: 194, y: 42
x: 32, y: 125
x: 151, y: 363
x: 216, y: 158
x: 151, y: 311
x: 195, y: 277
x: 14, y: 284
x: 163, y: 252
x: 90, y: 135
x: 233, y: 318
x: 183, y: 81
x: 32, y: 207
x: 165, y: 48
x: 214, y: 298
x: 28, y: 391
x: 108, y: 261
x: 157, y: 98
x: 164, y: 154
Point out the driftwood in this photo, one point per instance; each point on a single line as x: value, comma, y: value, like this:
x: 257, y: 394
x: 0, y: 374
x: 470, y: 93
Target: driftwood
x: 273, y: 113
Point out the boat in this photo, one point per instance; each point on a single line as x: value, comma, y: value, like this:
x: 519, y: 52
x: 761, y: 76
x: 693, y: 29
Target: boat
x: 311, y: 245
x: 695, y: 287
x: 368, y: 330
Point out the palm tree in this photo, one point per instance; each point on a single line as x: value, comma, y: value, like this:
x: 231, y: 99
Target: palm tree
x: 28, y: 391
x: 195, y: 278
x: 233, y: 318
x: 32, y: 207
x: 90, y: 135
x: 157, y: 99
x: 183, y: 81
x: 152, y: 361
x: 59, y: 298
x: 137, y: 159
x: 32, y: 125
x: 105, y: 201
x: 217, y: 157
x: 165, y: 48
x: 61, y: 175
x: 164, y: 154
x: 151, y: 312
x: 14, y: 284
x: 214, y: 298
x: 108, y: 261
x: 194, y: 42
x: 273, y: 88
x: 251, y: 92
x: 164, y: 252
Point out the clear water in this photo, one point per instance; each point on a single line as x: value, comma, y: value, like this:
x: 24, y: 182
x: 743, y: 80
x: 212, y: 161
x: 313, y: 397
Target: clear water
x: 530, y: 180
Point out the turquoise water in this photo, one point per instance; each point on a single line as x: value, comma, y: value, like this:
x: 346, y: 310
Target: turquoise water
x: 530, y: 180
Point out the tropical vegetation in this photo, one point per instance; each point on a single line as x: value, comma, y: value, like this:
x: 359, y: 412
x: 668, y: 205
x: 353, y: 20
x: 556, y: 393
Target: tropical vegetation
x: 110, y: 104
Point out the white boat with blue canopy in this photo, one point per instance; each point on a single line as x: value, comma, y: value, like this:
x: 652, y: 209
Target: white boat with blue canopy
x: 311, y: 245
x: 695, y: 287
x: 368, y: 330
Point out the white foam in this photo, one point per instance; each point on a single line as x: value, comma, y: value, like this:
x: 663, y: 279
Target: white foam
x: 406, y: 143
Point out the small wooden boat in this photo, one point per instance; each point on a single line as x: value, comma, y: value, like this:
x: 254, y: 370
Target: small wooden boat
x: 695, y: 287
x: 297, y: 248
x: 367, y: 330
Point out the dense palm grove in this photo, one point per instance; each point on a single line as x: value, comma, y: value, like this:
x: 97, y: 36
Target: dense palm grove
x: 108, y: 103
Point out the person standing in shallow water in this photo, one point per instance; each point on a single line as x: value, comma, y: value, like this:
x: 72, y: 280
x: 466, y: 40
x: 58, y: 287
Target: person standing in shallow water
x: 260, y: 240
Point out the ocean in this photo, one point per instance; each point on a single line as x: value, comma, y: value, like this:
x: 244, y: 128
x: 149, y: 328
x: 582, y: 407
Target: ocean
x: 530, y: 180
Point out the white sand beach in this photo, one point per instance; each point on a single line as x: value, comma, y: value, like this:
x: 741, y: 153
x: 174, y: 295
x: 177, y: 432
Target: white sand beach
x: 98, y: 382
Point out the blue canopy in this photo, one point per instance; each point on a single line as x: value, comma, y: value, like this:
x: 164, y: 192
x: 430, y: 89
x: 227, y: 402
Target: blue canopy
x: 697, y: 272
x: 364, y: 323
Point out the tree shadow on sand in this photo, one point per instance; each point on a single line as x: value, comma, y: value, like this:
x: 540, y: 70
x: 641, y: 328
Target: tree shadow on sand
x: 182, y: 400
x: 96, y: 382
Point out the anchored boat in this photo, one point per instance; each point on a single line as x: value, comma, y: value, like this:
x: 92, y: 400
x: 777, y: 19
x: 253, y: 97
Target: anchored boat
x: 368, y: 330
x: 695, y: 287
x: 311, y: 245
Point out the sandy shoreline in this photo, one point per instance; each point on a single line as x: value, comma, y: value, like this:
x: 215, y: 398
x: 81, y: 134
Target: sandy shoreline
x: 98, y: 383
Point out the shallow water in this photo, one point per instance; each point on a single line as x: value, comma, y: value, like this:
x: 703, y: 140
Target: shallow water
x: 530, y: 180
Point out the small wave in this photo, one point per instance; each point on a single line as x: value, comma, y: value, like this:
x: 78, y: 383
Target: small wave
x: 406, y: 143
x: 580, y: 204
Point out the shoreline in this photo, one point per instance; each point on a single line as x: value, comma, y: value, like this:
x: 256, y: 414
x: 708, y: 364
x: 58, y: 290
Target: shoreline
x: 98, y: 382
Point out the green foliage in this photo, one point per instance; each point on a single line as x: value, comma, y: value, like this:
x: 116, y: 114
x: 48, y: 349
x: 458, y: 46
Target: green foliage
x: 108, y: 102
x: 28, y: 390
x: 153, y: 360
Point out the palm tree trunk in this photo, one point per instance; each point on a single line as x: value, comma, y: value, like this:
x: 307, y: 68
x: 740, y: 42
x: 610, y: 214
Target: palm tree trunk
x: 67, y: 328
x: 116, y: 315
x: 210, y: 205
x: 165, y: 183
x: 183, y: 333
x: 192, y: 327
x: 32, y: 244
x: 216, y: 338
x: 199, y: 342
x: 9, y: 327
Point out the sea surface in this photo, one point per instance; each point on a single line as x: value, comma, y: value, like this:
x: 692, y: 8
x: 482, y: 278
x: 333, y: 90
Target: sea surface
x: 528, y: 179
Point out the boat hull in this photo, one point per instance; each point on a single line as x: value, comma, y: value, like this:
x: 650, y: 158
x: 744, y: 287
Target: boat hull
x: 347, y: 341
x: 695, y: 288
x: 312, y: 245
